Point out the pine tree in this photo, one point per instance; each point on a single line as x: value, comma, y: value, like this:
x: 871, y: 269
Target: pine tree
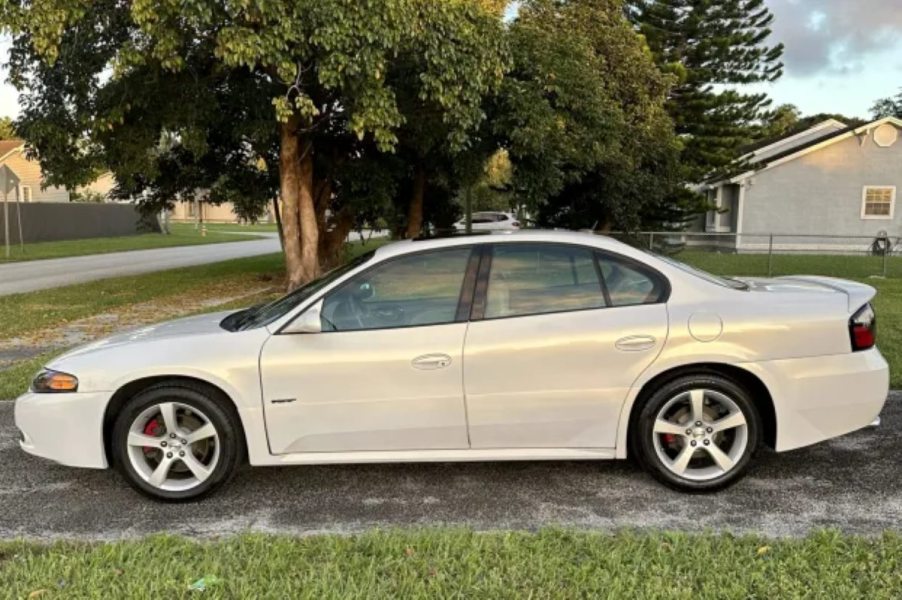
x: 711, y: 47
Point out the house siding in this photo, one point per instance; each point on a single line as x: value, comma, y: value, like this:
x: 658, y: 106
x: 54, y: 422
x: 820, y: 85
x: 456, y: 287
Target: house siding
x: 821, y: 192
x: 29, y: 172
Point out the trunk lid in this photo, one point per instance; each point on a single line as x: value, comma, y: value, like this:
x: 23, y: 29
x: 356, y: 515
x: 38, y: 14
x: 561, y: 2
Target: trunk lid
x: 857, y: 294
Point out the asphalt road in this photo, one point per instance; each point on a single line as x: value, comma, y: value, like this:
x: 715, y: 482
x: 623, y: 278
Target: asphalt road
x: 852, y: 483
x: 33, y: 275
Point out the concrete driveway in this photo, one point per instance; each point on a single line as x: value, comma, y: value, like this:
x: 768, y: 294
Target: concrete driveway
x: 852, y: 483
x: 33, y: 275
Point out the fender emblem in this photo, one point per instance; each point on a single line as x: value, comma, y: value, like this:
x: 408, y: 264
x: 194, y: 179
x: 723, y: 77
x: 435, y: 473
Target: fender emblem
x: 283, y: 400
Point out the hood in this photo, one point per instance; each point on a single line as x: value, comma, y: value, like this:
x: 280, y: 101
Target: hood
x: 190, y: 326
x: 857, y: 294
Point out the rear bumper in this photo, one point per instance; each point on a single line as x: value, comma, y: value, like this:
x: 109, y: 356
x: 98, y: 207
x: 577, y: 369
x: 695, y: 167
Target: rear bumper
x: 65, y: 428
x: 823, y: 397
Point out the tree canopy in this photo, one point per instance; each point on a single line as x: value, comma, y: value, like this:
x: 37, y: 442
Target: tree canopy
x: 7, y: 128
x: 582, y: 115
x: 712, y: 49
x: 389, y: 111
x: 888, y: 107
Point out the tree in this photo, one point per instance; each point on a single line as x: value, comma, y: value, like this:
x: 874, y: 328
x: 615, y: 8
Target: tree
x: 786, y: 120
x: 779, y: 122
x: 7, y: 129
x: 712, y: 48
x: 582, y: 117
x: 888, y: 107
x: 323, y: 68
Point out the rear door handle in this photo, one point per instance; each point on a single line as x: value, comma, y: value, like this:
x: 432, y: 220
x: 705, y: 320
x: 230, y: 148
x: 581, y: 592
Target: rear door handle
x: 429, y: 362
x: 635, y: 343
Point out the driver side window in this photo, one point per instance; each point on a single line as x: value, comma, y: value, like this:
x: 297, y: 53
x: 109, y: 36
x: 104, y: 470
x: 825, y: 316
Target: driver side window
x: 417, y: 289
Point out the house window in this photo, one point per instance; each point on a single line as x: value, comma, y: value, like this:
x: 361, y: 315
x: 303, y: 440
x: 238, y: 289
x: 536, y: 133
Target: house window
x: 878, y: 202
x: 26, y: 193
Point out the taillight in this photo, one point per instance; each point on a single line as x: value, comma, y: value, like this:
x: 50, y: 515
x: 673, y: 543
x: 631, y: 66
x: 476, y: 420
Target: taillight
x: 863, y: 328
x: 515, y: 224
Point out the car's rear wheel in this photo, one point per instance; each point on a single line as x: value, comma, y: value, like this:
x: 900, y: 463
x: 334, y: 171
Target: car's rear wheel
x: 175, y: 443
x: 697, y: 433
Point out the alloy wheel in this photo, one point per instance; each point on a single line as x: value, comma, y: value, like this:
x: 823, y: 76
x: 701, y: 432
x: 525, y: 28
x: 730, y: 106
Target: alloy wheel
x: 173, y: 446
x: 700, y: 434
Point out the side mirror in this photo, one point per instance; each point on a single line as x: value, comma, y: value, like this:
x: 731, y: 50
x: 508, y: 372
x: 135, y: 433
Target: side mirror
x: 309, y: 321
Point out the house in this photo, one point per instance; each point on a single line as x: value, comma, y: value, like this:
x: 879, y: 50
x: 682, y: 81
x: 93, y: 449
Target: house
x: 188, y: 211
x: 831, y: 186
x: 12, y: 154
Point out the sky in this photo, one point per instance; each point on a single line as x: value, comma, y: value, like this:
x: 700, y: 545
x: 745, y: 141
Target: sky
x: 841, y: 56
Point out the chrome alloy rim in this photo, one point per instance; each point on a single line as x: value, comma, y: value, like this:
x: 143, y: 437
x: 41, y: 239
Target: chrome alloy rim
x: 173, y: 446
x: 700, y: 434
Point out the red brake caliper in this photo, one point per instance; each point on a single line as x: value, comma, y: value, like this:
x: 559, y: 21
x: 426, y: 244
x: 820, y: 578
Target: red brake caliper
x: 152, y: 429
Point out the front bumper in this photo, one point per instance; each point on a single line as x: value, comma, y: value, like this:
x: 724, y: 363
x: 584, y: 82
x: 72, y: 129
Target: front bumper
x: 65, y: 428
x: 822, y: 397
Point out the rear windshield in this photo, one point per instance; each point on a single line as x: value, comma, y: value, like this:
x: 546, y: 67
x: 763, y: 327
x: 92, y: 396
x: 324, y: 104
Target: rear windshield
x: 709, y: 277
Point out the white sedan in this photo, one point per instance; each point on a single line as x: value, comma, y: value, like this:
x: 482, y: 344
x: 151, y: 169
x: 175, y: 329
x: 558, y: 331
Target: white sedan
x: 528, y: 346
x: 490, y: 221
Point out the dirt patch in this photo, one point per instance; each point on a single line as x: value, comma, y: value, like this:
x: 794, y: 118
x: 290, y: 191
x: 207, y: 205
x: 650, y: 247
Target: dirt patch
x: 91, y: 328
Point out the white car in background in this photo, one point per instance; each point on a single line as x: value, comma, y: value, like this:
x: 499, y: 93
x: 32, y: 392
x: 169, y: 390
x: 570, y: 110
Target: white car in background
x: 538, y: 345
x: 490, y: 221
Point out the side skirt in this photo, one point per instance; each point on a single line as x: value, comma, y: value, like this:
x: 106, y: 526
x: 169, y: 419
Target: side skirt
x: 413, y: 456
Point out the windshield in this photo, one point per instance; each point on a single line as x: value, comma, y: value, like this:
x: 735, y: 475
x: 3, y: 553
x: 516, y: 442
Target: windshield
x: 715, y: 279
x: 267, y: 313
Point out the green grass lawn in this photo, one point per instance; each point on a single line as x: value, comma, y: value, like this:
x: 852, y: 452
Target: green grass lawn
x: 182, y: 235
x: 20, y: 313
x: 455, y: 563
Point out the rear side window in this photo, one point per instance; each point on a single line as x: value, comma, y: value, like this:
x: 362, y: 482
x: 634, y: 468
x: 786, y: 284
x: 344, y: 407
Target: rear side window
x: 531, y: 279
x: 629, y: 282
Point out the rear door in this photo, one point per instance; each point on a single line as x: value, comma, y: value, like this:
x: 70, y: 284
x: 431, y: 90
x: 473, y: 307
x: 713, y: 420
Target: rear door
x: 552, y: 351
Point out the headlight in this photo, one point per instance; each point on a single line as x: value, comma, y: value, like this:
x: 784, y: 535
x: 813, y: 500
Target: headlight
x: 49, y: 381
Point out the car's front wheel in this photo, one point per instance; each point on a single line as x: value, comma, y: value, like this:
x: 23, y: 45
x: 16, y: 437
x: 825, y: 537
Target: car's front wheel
x: 697, y: 433
x: 175, y: 443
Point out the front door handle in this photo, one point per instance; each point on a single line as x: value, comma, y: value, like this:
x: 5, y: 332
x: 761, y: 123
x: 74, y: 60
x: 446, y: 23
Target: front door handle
x: 429, y: 362
x: 635, y: 343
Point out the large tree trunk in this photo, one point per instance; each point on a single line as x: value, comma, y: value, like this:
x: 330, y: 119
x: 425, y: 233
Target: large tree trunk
x: 289, y: 190
x: 307, y: 215
x: 415, y: 212
x: 333, y: 240
x: 277, y: 213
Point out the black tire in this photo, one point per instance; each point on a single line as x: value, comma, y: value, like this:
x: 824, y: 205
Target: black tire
x: 231, y: 445
x: 642, y: 436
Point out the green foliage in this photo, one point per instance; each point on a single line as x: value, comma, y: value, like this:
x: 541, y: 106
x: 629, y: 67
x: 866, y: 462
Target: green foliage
x: 199, y: 89
x: 582, y: 116
x: 711, y: 47
x: 87, y: 197
x: 7, y: 129
x: 888, y: 107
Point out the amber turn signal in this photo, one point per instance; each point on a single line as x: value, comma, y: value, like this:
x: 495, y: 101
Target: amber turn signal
x: 49, y: 381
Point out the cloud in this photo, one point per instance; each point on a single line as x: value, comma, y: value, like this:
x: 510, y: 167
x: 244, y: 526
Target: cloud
x: 834, y: 36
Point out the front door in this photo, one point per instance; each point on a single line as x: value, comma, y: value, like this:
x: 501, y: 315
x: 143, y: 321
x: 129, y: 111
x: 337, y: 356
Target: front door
x: 565, y: 332
x: 386, y: 373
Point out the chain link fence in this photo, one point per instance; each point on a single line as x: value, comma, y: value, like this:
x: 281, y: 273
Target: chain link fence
x: 773, y: 254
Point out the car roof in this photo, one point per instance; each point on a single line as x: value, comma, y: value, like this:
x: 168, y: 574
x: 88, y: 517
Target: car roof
x: 501, y: 237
